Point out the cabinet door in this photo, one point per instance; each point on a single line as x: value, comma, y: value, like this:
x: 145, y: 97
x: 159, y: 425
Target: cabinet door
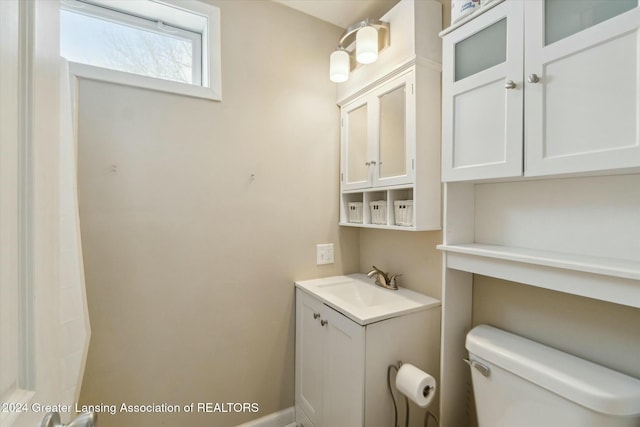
x: 582, y: 110
x: 344, y: 371
x: 394, y: 140
x: 309, y: 357
x: 356, y: 152
x: 483, y: 96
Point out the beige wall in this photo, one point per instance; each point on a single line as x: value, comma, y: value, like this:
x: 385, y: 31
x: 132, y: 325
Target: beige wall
x: 601, y: 332
x: 190, y: 264
x: 413, y: 254
x: 446, y: 13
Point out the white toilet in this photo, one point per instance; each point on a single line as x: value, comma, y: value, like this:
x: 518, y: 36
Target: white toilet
x: 521, y: 383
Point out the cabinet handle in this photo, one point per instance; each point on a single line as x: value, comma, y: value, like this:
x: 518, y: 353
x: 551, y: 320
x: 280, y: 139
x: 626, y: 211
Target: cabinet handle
x: 316, y: 315
x: 509, y: 84
x: 324, y: 322
x: 368, y: 163
x: 533, y: 78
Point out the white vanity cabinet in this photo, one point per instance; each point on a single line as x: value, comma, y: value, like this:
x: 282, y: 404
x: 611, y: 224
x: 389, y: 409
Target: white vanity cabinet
x: 329, y: 365
x: 542, y: 87
x: 342, y: 358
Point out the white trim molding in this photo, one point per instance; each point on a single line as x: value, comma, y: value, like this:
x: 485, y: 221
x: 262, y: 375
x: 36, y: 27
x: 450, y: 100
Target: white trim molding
x: 90, y: 72
x: 284, y: 418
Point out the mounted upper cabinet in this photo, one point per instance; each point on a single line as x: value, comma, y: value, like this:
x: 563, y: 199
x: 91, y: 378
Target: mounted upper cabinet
x: 390, y: 153
x: 542, y: 88
x: 582, y: 96
x: 378, y: 136
x: 481, y: 106
x: 390, y: 127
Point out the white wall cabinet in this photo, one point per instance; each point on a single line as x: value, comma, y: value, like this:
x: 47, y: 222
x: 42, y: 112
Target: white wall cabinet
x: 390, y: 152
x: 542, y: 88
x: 390, y: 126
x: 341, y: 366
x: 378, y: 136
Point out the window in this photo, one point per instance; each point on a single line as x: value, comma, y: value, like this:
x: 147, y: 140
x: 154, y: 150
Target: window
x: 171, y: 46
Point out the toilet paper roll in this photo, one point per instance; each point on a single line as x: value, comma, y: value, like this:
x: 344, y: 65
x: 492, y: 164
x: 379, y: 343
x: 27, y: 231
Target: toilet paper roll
x: 416, y: 384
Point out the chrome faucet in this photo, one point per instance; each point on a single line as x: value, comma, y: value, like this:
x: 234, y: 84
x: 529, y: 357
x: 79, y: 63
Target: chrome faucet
x: 383, y: 279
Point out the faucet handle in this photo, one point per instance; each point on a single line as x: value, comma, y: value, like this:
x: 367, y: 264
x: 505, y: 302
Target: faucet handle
x: 384, y: 275
x: 383, y: 279
x: 392, y: 279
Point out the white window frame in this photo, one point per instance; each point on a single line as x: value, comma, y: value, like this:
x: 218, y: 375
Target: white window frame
x: 191, y: 15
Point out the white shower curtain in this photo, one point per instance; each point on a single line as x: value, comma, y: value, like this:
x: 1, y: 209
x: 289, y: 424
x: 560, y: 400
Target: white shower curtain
x: 75, y: 330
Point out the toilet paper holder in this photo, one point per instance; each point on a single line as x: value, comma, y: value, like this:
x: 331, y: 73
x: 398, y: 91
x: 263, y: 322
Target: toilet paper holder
x: 426, y: 391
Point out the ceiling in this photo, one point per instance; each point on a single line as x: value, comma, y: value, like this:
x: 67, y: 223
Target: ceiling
x: 342, y: 13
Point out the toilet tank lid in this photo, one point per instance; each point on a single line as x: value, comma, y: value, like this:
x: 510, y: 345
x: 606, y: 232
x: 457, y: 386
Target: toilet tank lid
x: 588, y: 384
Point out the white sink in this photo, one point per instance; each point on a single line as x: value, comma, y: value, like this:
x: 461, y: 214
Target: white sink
x: 359, y: 293
x: 359, y: 298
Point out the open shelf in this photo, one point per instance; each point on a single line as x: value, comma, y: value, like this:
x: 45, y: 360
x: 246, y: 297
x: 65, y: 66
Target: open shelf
x: 588, y: 264
x: 607, y: 279
x: 422, y: 218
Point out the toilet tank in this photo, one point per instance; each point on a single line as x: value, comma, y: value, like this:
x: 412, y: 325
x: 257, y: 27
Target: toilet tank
x: 521, y: 383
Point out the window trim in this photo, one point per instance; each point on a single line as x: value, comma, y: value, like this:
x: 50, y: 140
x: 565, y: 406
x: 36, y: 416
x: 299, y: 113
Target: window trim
x: 171, y: 11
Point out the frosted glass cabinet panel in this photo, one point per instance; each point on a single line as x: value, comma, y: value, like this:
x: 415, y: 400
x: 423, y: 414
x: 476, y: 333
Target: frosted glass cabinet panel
x: 482, y: 96
x: 482, y: 50
x: 563, y: 18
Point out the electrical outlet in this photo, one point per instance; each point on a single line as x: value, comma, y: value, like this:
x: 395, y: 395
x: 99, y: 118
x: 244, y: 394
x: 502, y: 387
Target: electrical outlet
x: 324, y: 254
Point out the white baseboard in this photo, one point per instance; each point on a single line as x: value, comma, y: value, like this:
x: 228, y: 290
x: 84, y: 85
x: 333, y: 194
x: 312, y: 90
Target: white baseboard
x: 284, y: 418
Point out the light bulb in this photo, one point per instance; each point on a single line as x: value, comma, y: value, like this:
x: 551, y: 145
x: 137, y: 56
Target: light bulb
x: 339, y: 66
x: 367, y: 45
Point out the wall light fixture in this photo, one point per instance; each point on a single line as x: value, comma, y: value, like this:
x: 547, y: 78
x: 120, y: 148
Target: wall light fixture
x: 369, y: 36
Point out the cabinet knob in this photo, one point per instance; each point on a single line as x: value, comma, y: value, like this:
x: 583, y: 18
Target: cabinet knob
x: 533, y: 78
x: 509, y: 84
x: 324, y: 322
x: 316, y: 315
x: 372, y: 162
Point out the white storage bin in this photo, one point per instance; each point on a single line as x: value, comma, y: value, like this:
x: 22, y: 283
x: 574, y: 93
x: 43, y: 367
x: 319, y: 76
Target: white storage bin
x: 379, y: 212
x: 355, y: 212
x: 403, y: 210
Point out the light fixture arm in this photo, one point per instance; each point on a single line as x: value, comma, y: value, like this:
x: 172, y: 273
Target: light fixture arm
x: 358, y: 44
x: 349, y: 36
